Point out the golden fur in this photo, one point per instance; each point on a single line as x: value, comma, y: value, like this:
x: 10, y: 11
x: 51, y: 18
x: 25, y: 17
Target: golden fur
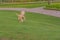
x: 21, y: 16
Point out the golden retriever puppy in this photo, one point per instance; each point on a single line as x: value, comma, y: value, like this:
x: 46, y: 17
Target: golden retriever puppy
x: 21, y: 16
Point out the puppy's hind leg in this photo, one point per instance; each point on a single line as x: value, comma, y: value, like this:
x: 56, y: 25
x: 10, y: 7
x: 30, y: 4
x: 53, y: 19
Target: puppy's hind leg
x: 18, y: 20
x: 22, y: 20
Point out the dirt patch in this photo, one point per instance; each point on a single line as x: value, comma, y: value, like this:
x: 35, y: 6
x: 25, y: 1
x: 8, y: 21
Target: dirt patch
x: 36, y: 10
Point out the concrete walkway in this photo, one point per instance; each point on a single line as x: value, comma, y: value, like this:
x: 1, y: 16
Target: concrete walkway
x: 36, y: 10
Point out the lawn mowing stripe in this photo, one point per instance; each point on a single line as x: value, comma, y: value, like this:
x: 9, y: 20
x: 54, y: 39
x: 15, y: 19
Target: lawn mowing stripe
x: 42, y: 23
x: 37, y: 22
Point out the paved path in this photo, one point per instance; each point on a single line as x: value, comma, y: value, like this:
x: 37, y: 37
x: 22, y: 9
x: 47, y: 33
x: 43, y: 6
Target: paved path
x: 36, y: 10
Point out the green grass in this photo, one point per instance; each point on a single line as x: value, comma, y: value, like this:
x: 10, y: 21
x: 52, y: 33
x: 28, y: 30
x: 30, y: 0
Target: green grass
x: 54, y: 6
x: 33, y: 5
x: 36, y: 27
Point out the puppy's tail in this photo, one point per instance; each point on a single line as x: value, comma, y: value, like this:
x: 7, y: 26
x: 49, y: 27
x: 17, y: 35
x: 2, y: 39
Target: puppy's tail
x: 17, y: 14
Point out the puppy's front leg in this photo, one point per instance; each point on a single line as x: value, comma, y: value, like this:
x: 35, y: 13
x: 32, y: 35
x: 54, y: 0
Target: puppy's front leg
x: 24, y: 18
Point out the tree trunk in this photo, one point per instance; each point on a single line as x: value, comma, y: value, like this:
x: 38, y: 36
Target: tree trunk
x: 49, y: 2
x: 12, y: 1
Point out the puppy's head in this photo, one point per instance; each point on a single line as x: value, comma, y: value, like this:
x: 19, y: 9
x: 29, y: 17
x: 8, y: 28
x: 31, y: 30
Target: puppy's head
x: 22, y: 12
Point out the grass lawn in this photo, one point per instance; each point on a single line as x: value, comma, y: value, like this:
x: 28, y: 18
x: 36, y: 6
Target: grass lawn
x: 33, y: 5
x: 36, y: 27
x: 54, y: 6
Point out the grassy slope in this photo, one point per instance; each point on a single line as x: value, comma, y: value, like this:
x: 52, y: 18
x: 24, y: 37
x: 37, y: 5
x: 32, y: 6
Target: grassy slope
x: 36, y: 27
x: 21, y: 5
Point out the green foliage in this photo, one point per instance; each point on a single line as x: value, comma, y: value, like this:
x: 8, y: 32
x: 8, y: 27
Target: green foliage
x: 19, y: 0
x: 55, y: 6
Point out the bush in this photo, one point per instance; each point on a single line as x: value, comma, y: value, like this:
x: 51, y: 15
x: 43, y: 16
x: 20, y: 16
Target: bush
x: 54, y: 6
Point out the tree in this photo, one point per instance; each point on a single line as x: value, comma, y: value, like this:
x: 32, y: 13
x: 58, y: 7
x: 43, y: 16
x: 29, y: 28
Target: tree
x: 49, y: 1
